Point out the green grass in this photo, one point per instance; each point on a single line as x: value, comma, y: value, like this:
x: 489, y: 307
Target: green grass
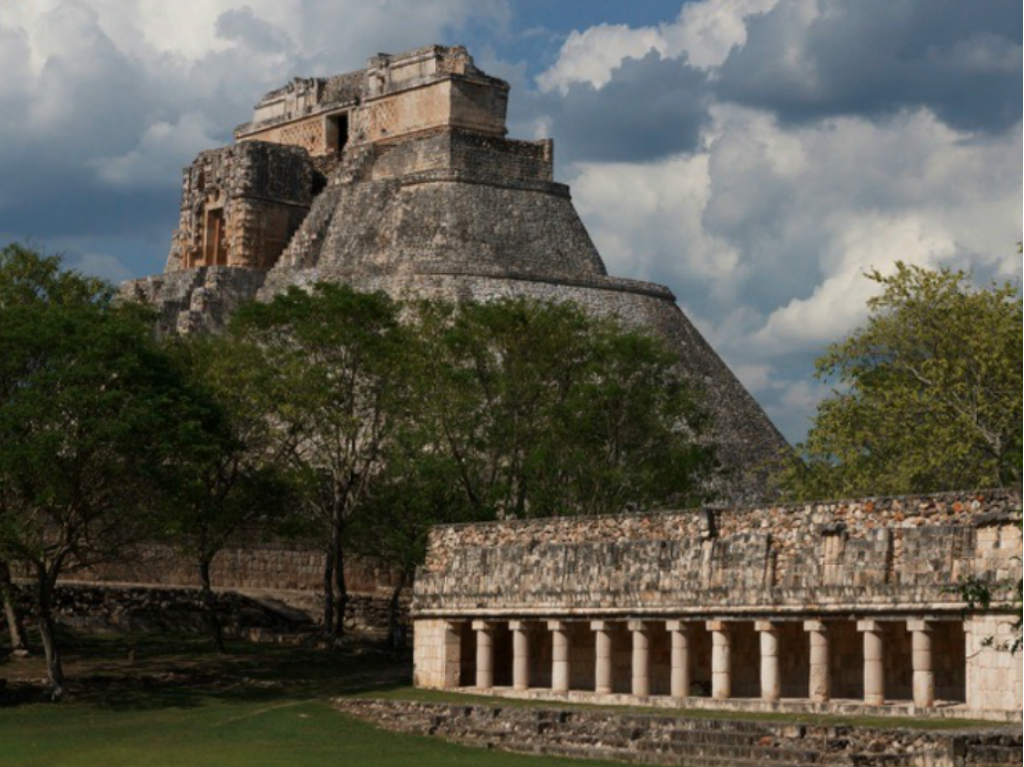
x: 442, y: 696
x: 170, y: 700
x: 223, y: 732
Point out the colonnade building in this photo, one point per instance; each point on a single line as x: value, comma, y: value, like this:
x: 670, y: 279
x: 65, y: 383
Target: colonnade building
x: 841, y: 606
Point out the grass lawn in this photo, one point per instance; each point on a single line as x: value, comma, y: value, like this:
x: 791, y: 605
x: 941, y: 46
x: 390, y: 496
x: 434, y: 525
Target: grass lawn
x: 156, y: 700
x: 223, y: 732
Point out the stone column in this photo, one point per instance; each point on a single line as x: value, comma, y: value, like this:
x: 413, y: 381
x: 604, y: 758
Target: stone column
x: 484, y: 654
x: 452, y: 653
x: 819, y: 678
x: 559, y: 656
x: 771, y: 686
x: 874, y: 670
x: 602, y: 657
x: 921, y: 657
x: 680, y: 675
x: 520, y: 655
x: 721, y: 665
x: 641, y: 685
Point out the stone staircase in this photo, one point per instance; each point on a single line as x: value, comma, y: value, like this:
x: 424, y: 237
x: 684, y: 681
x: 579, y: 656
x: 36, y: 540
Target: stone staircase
x: 642, y: 738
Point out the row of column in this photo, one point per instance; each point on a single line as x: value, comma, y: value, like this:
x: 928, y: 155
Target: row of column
x: 819, y: 681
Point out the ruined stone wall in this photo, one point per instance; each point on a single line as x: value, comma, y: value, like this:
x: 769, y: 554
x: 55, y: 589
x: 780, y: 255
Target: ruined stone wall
x: 189, y: 300
x: 307, y: 133
x: 881, y: 554
x: 595, y: 734
x: 248, y: 565
x: 484, y: 157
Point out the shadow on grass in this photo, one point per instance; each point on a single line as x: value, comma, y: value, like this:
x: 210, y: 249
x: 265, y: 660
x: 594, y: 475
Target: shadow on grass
x: 150, y: 671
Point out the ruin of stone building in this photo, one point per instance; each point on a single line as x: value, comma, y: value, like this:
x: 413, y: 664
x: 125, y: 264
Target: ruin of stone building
x: 399, y: 177
x: 843, y: 606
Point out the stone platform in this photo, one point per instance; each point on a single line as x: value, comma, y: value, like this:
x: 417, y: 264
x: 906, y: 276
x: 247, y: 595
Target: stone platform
x: 688, y: 740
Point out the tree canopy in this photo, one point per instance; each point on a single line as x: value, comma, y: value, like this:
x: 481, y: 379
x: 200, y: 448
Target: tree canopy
x: 90, y: 410
x: 927, y: 396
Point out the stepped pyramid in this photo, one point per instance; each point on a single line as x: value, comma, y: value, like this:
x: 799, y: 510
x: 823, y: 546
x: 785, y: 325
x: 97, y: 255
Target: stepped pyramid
x: 399, y: 177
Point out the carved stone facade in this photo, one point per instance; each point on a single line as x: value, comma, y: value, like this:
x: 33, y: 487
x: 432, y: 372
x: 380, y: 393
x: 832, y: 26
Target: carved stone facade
x: 240, y: 206
x: 832, y: 605
x: 398, y: 177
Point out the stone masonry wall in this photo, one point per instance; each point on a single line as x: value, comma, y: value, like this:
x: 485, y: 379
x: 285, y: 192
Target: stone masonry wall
x: 246, y: 565
x: 881, y: 554
x: 687, y: 741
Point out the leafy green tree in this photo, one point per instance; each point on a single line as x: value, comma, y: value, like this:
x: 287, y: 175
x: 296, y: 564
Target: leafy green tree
x: 928, y: 395
x: 545, y: 410
x: 225, y: 476
x: 335, y: 391
x: 89, y: 408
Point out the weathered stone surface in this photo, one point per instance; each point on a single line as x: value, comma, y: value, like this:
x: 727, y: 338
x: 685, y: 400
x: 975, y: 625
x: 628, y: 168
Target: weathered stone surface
x: 687, y: 741
x: 892, y: 552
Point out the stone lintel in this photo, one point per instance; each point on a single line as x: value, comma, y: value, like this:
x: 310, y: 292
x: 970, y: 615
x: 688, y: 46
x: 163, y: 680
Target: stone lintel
x: 919, y: 624
x: 479, y: 625
x: 765, y: 626
x: 554, y: 625
x: 815, y: 625
x: 869, y: 625
x: 718, y: 625
x: 677, y: 625
x: 636, y: 625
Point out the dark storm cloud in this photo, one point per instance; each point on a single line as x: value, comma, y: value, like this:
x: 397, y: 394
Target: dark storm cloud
x: 960, y: 59
x: 651, y: 107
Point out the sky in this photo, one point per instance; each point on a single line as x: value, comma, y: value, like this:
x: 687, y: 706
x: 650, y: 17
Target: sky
x: 756, y: 156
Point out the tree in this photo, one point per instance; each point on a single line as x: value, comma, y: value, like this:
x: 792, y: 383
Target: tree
x: 89, y: 408
x: 335, y: 393
x: 545, y: 410
x: 225, y: 476
x: 928, y: 396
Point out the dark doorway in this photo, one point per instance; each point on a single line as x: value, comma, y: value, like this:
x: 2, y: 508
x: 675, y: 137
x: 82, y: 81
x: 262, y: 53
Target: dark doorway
x: 336, y: 129
x: 215, y: 251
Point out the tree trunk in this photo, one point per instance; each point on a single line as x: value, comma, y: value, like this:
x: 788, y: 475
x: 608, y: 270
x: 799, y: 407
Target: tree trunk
x: 329, y: 592
x: 339, y: 580
x: 396, y: 631
x: 54, y: 667
x: 19, y: 640
x: 210, y: 605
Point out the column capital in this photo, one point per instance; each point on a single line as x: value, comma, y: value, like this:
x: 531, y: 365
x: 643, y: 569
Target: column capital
x: 453, y: 625
x: 600, y: 625
x: 677, y: 625
x: 482, y: 625
x: 868, y: 625
x: 556, y: 625
x: 637, y: 625
x: 518, y: 625
x: 765, y: 626
x: 920, y: 624
x: 815, y: 626
x: 716, y: 625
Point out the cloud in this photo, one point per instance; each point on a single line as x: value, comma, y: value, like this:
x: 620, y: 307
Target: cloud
x: 652, y: 107
x: 101, y: 265
x: 807, y: 59
x: 765, y: 231
x: 704, y: 33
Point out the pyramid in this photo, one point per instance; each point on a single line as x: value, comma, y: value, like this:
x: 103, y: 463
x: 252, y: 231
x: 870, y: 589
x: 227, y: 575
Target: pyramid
x: 399, y: 177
